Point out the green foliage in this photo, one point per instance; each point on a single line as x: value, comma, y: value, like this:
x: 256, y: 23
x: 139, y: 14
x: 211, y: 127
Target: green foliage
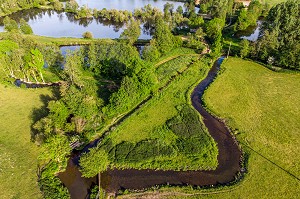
x: 10, y: 6
x: 25, y: 28
x: 56, y: 149
x: 87, y: 35
x: 132, y: 31
x: 113, y: 60
x: 245, y: 48
x: 90, y: 164
x: 84, y: 12
x: 150, y: 143
x: 186, y: 124
x: 150, y: 52
x: 248, y: 17
x: 57, y: 5
x: 280, y: 40
x: 163, y: 36
x: 10, y: 24
x: 195, y: 20
x: 171, y: 68
x: 71, y: 6
x: 214, y: 28
x: 50, y: 185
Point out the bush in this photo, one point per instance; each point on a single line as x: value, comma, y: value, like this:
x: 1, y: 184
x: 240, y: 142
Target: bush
x: 87, y: 35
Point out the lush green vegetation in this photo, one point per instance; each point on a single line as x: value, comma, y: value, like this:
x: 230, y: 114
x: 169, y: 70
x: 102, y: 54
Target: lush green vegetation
x: 18, y: 171
x: 10, y: 6
x: 163, y: 134
x: 280, y: 44
x: 105, y: 80
x: 262, y: 107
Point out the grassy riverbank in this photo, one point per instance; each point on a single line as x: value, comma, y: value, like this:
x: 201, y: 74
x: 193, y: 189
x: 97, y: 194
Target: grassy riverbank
x: 166, y: 133
x: 264, y: 109
x: 18, y: 162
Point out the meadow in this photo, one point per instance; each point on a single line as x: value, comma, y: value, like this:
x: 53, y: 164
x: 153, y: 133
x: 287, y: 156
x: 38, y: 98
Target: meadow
x: 263, y: 111
x: 18, y: 155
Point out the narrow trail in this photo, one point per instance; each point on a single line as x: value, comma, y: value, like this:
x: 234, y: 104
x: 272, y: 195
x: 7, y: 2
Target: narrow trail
x: 171, y: 58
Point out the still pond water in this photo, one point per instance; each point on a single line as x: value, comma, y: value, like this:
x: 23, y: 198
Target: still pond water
x: 56, y: 24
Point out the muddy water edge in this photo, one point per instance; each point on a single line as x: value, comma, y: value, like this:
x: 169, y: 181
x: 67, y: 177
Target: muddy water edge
x: 229, y: 160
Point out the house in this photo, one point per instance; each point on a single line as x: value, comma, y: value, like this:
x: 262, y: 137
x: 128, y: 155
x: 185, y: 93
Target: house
x: 245, y: 2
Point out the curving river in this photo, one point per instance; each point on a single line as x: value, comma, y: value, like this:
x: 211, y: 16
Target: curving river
x: 229, y: 159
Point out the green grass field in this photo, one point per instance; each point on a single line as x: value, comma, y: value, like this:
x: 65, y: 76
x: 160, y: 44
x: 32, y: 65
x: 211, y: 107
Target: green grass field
x: 18, y: 155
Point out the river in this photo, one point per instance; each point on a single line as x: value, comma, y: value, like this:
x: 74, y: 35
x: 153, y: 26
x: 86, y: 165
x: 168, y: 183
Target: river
x: 229, y: 160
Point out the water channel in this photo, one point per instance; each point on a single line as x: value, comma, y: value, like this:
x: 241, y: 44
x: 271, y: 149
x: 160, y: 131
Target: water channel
x: 229, y: 160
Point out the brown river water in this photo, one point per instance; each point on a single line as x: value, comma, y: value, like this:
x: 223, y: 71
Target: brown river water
x: 229, y: 160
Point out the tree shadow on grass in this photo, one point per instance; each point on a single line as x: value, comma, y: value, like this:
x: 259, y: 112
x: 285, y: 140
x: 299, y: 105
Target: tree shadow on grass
x: 41, y: 112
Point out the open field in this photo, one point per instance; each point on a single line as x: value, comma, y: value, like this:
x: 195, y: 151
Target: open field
x: 18, y: 155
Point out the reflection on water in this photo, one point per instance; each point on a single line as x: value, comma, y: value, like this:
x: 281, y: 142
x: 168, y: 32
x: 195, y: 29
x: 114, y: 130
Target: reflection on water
x: 59, y: 24
x: 126, y: 4
x: 249, y: 34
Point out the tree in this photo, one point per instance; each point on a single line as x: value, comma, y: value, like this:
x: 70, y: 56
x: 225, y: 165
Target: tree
x: 214, y: 28
x: 72, y: 68
x: 150, y: 52
x: 132, y: 32
x: 10, y: 24
x: 280, y: 35
x: 245, y: 48
x: 34, y: 62
x: 71, y: 6
x: 57, y: 5
x: 87, y: 35
x: 90, y: 164
x: 56, y: 149
x: 25, y: 27
x: 163, y: 36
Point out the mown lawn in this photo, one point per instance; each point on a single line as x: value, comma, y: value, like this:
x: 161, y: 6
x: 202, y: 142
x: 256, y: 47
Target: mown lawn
x: 264, y: 108
x: 18, y: 155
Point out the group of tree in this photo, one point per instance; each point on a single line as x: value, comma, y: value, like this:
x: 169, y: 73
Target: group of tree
x: 11, y: 25
x: 248, y: 17
x: 23, y: 58
x: 279, y: 42
x: 10, y: 6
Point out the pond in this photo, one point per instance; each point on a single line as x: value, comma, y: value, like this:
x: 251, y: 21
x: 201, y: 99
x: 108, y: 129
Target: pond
x: 251, y: 33
x: 60, y: 24
x: 126, y: 4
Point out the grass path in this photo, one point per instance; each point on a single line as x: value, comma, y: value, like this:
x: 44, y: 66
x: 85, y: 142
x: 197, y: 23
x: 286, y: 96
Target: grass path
x: 18, y: 155
x: 173, y: 57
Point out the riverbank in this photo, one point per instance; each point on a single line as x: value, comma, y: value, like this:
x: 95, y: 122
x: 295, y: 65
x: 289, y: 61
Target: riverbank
x: 268, y: 134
